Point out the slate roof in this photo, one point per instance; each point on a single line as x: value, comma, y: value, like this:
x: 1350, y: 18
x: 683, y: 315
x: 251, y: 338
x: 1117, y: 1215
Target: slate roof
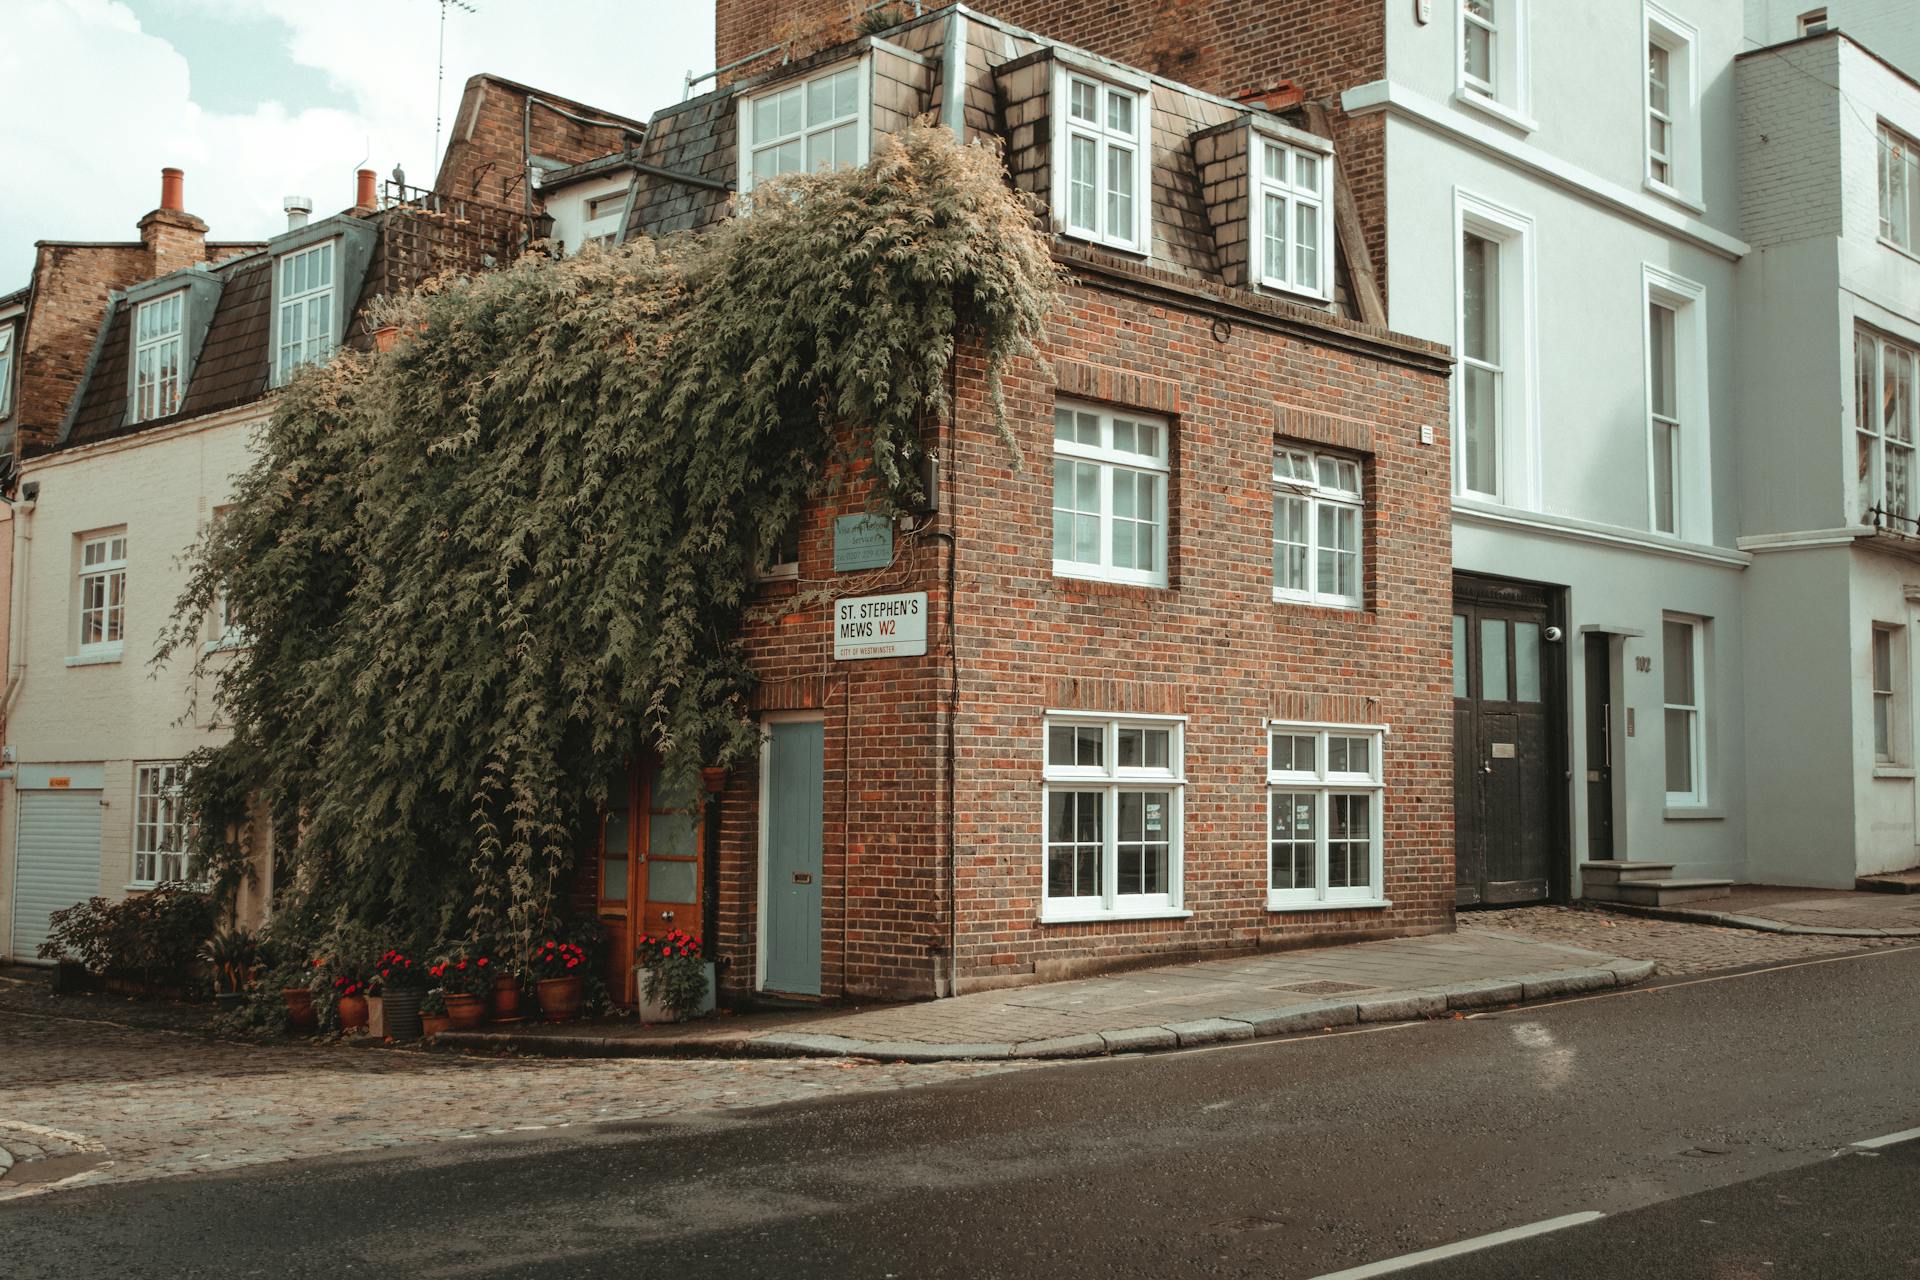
x: 232, y: 369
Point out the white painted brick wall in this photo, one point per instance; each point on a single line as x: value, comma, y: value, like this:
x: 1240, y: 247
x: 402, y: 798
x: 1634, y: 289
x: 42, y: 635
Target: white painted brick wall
x: 1789, y: 144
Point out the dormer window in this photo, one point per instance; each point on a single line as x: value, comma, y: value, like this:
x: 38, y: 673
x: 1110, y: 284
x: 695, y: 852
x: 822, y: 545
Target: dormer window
x: 1290, y: 226
x: 305, y: 308
x: 157, y: 329
x: 1100, y: 185
x: 816, y: 125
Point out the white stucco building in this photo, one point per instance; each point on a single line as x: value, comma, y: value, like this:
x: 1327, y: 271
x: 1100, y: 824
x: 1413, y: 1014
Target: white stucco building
x: 1653, y: 247
x: 1829, y: 388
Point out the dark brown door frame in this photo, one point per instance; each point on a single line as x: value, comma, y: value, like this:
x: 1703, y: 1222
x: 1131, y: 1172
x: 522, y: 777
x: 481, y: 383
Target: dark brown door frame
x: 1556, y: 689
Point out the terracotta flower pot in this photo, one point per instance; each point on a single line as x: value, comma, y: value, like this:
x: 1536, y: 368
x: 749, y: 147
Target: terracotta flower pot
x: 300, y: 1014
x: 432, y: 1024
x: 385, y: 336
x: 466, y: 1011
x: 506, y: 998
x: 353, y: 1012
x: 560, y: 998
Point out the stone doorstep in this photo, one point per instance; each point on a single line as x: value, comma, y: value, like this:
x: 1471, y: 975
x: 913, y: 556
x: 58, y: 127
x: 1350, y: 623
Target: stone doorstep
x: 1294, y: 1019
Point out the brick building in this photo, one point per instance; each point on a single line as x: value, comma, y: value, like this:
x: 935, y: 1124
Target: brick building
x: 1185, y: 671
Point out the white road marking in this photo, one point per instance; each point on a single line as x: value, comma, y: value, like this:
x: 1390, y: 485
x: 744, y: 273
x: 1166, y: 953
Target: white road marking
x: 1890, y: 1139
x: 1408, y: 1261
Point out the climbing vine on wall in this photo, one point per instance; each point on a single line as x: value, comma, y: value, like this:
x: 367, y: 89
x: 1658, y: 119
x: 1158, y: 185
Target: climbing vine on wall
x: 479, y: 573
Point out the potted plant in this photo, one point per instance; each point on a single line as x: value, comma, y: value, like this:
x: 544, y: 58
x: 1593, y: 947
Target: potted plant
x: 465, y: 981
x: 676, y: 982
x: 560, y: 969
x: 393, y: 997
x: 506, y: 994
x: 231, y: 954
x: 433, y: 1014
x: 301, y: 1015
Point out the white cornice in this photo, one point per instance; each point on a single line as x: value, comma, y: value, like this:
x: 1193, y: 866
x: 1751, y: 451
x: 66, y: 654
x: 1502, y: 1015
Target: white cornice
x: 251, y: 413
x: 1571, y: 530
x: 1800, y: 540
x: 1398, y: 100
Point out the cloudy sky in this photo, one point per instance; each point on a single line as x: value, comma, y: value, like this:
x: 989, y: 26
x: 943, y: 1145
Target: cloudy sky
x: 259, y: 99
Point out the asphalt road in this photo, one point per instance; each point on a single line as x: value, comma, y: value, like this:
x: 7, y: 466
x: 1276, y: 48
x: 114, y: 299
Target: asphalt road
x: 1269, y: 1159
x: 1856, y: 1215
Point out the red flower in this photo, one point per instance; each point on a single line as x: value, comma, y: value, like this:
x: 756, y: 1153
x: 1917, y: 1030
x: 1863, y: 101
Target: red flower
x: 483, y: 961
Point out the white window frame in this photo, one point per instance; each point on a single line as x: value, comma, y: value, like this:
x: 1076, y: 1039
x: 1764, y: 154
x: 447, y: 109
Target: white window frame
x: 1872, y: 438
x: 1109, y: 780
x: 1811, y: 23
x: 288, y: 357
x: 1897, y: 187
x: 156, y: 395
x: 1293, y: 198
x: 1889, y: 727
x: 1322, y: 784
x: 1680, y: 42
x: 109, y: 573
x: 222, y: 631
x: 1689, y: 445
x: 862, y: 119
x: 8, y: 339
x: 1696, y: 712
x: 1316, y: 495
x: 780, y: 562
x: 160, y: 830
x: 1106, y: 83
x: 1507, y: 95
x: 1516, y: 458
x: 1111, y: 461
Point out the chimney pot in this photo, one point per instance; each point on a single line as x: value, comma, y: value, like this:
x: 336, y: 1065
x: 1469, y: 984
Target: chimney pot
x: 297, y: 208
x: 173, y: 190
x: 363, y: 198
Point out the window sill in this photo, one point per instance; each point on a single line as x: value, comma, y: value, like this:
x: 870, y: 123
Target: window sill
x: 1895, y: 771
x: 1076, y: 585
x: 1673, y: 195
x: 1101, y: 917
x: 1361, y: 904
x: 1693, y: 813
x: 1500, y: 111
x: 1898, y: 248
x: 1288, y: 293
x: 148, y: 886
x: 225, y: 645
x: 1328, y: 606
x: 1131, y: 250
x: 101, y: 658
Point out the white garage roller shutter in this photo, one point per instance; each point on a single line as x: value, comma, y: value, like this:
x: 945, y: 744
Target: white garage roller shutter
x: 58, y: 863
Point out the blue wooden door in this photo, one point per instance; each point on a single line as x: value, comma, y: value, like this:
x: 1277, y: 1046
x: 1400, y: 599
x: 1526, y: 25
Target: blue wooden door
x: 795, y: 767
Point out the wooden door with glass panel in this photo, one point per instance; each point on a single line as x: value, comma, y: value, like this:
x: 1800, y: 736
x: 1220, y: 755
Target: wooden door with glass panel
x: 652, y: 864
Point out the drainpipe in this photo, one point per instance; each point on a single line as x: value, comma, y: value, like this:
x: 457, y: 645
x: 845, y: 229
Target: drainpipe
x: 17, y: 620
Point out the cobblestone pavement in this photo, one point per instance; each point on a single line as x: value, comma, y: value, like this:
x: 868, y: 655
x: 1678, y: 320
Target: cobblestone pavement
x: 1676, y: 947
x: 84, y: 1102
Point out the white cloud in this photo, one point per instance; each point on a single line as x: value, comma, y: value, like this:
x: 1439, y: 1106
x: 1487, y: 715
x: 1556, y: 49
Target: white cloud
x: 83, y: 159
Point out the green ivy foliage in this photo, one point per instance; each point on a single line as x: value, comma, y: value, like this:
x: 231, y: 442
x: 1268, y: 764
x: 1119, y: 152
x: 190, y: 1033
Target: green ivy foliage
x: 481, y: 573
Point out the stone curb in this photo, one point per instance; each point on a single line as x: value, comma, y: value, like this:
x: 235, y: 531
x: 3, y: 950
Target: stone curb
x: 1322, y: 1015
x: 1759, y: 924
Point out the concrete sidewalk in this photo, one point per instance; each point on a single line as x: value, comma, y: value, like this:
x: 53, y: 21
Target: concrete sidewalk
x: 1175, y: 1006
x: 1832, y: 913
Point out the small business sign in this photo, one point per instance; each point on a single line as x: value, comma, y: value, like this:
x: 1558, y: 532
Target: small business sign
x: 892, y: 626
x: 59, y: 784
x: 862, y: 542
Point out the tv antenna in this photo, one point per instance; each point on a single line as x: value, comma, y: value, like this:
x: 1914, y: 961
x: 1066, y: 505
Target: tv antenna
x: 440, y: 70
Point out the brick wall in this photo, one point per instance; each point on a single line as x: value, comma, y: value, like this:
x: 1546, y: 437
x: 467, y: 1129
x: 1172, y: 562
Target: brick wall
x: 485, y: 156
x: 1212, y: 646
x: 70, y: 287
x: 1790, y: 152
